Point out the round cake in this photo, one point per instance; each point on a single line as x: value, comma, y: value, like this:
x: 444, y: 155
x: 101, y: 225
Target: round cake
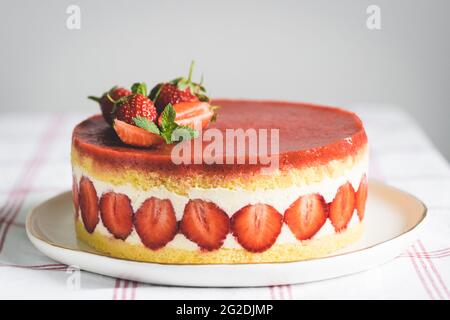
x: 140, y: 204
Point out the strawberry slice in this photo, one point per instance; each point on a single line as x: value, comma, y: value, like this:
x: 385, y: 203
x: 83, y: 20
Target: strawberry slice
x: 156, y: 223
x: 117, y: 214
x: 135, y: 136
x: 191, y: 113
x: 205, y: 224
x: 361, y: 197
x: 341, y: 209
x: 88, y: 204
x: 256, y: 227
x: 306, y: 216
x: 75, y: 196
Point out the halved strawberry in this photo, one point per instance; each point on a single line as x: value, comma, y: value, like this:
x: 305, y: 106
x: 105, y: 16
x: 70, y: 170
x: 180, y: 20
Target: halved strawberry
x: 306, y: 216
x: 88, y: 204
x: 75, y: 196
x: 361, y: 197
x: 205, y: 224
x: 192, y: 114
x: 342, y: 207
x: 156, y: 223
x: 135, y: 136
x: 117, y: 214
x: 256, y: 227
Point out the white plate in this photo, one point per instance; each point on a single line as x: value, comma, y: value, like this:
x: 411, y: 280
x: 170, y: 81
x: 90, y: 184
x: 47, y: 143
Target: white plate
x: 392, y: 221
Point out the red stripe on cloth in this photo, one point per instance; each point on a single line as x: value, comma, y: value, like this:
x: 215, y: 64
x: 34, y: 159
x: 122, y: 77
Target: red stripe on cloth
x: 10, y: 200
x: 289, y: 289
x: 20, y: 182
x: 116, y: 288
x: 280, y: 290
x: 14, y: 202
x: 36, y: 269
x: 134, y: 290
x: 436, y: 251
x: 430, y: 255
x: 419, y: 275
x: 435, y: 271
x: 43, y: 146
x: 124, y: 290
x: 272, y: 293
x: 39, y: 266
x: 427, y: 273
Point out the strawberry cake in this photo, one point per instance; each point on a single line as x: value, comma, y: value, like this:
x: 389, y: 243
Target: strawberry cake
x: 133, y: 201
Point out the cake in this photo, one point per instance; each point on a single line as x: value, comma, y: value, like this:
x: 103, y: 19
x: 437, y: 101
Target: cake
x: 135, y: 203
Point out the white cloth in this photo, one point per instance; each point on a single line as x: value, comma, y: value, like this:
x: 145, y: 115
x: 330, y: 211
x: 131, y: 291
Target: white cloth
x: 35, y: 165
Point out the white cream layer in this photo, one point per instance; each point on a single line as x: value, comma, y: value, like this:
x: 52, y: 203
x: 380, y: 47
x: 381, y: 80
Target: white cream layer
x: 231, y: 201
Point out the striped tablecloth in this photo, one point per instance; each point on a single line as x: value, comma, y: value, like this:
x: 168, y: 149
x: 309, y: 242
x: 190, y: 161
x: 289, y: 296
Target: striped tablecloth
x: 35, y: 165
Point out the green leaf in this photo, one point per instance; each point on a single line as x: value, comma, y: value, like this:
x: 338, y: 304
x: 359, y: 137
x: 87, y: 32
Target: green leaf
x: 146, y: 124
x: 139, y: 87
x: 182, y: 84
x: 168, y: 124
x: 203, y: 97
x: 155, y: 92
x: 176, y: 80
x: 187, y: 131
x: 168, y: 117
x: 169, y: 127
x: 167, y: 136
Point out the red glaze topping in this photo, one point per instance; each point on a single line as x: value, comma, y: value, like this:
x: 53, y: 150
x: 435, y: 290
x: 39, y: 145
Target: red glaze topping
x: 309, y: 135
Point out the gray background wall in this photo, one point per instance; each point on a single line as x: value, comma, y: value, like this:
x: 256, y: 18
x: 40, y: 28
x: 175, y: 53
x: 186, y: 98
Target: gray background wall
x: 319, y: 51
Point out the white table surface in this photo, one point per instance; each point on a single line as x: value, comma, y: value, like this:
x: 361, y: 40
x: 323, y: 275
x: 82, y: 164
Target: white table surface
x: 35, y: 165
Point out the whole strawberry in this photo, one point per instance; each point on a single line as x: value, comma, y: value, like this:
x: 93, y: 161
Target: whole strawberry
x: 106, y: 101
x: 137, y: 104
x: 178, y: 90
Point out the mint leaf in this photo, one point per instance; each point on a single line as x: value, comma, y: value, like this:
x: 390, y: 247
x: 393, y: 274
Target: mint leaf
x: 168, y: 118
x: 168, y: 124
x: 146, y: 124
x: 167, y: 136
x: 171, y: 131
x: 183, y: 133
x: 139, y: 88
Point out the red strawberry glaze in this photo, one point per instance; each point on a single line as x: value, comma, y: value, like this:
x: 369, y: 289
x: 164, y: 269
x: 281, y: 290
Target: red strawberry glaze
x: 309, y: 135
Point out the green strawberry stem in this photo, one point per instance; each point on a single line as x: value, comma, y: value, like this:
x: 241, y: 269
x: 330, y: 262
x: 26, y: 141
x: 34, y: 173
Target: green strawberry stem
x: 191, y: 70
x: 96, y: 99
